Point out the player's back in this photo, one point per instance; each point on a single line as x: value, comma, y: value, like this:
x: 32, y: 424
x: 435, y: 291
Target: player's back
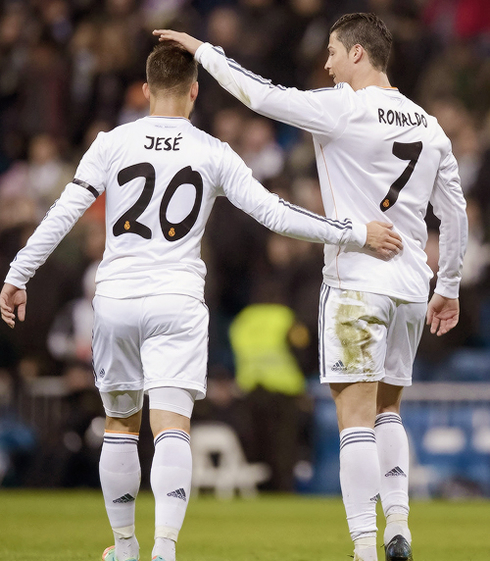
x: 161, y: 177
x: 381, y: 164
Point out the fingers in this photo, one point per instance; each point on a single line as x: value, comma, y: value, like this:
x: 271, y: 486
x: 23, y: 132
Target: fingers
x: 164, y: 34
x: 387, y: 225
x: 8, y: 315
x: 383, y: 240
x: 189, y: 43
x: 168, y: 35
x: 21, y: 312
x: 12, y: 300
x: 446, y: 325
x: 394, y: 244
x: 441, y: 325
x: 391, y: 246
x: 430, y: 313
x: 396, y: 239
x: 434, y: 324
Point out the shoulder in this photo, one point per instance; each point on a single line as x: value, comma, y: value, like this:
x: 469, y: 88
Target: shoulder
x: 206, y: 139
x: 341, y: 89
x: 123, y: 130
x: 117, y: 135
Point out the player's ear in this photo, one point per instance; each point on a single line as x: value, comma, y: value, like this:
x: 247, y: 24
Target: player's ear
x: 194, y: 91
x: 357, y: 52
x: 146, y: 91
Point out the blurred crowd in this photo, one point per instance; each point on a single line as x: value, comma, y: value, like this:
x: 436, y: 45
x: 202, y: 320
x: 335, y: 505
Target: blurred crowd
x: 72, y: 68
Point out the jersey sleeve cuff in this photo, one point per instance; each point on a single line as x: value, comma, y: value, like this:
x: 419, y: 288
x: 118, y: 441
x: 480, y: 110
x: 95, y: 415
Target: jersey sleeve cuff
x: 359, y: 234
x: 200, y: 50
x: 447, y: 289
x: 17, y: 279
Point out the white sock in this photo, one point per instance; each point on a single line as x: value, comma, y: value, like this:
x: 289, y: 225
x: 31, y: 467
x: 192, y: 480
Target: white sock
x: 120, y: 476
x: 393, y: 452
x: 359, y: 480
x: 365, y: 549
x: 171, y: 474
x: 165, y: 548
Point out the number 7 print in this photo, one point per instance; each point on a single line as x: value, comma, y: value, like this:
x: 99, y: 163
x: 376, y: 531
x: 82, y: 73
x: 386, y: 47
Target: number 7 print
x: 404, y: 151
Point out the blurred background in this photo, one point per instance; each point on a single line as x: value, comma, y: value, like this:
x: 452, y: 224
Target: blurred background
x: 72, y: 68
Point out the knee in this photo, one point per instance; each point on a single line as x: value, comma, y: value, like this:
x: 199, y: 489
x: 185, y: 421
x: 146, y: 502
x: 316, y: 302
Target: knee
x: 129, y: 424
x: 161, y: 420
x: 393, y: 408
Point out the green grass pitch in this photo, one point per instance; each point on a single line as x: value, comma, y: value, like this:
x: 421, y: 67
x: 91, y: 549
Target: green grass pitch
x: 72, y: 526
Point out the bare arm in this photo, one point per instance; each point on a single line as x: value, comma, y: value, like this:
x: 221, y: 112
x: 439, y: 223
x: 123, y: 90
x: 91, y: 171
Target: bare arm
x: 442, y: 314
x: 12, y: 300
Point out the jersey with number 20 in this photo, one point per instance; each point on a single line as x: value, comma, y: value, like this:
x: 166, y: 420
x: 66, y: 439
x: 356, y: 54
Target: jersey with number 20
x: 161, y: 176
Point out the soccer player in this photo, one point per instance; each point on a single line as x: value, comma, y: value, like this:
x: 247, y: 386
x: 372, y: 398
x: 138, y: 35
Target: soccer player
x: 379, y: 155
x: 161, y: 176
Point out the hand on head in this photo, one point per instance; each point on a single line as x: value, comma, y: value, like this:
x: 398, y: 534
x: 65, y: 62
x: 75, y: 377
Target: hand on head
x: 189, y: 43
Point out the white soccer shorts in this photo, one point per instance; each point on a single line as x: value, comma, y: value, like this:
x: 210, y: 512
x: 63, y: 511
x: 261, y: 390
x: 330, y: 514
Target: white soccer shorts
x: 367, y: 337
x: 150, y: 342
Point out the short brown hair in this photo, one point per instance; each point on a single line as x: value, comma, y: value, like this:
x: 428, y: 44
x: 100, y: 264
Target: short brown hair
x: 171, y: 68
x: 369, y: 31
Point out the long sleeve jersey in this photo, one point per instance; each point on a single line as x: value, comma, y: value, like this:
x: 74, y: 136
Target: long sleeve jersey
x: 161, y: 176
x: 379, y: 157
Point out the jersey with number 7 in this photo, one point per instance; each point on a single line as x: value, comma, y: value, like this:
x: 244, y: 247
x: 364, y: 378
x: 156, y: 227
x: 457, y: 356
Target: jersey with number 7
x: 379, y: 157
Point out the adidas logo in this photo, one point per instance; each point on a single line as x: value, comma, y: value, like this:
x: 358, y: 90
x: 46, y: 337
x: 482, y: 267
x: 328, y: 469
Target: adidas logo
x: 396, y: 472
x: 127, y: 498
x: 178, y: 494
x: 338, y: 366
x: 374, y: 499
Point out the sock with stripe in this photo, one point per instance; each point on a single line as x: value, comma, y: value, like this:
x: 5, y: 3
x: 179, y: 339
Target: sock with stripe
x: 120, y: 476
x: 359, y: 480
x: 393, y: 453
x: 171, y: 474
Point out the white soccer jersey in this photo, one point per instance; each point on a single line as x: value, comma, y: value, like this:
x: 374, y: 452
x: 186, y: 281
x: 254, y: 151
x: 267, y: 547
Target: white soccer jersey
x: 161, y: 176
x: 379, y: 157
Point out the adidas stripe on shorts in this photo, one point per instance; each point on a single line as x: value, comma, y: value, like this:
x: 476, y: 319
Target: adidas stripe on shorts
x: 367, y: 337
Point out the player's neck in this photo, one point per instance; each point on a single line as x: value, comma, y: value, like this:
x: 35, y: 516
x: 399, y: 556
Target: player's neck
x: 170, y: 107
x: 370, y: 77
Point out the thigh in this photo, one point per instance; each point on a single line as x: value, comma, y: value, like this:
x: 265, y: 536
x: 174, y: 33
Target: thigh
x: 116, y: 344
x: 352, y: 335
x: 170, y: 408
x: 174, y: 352
x: 122, y: 404
x: 355, y: 404
x: 403, y: 339
x: 176, y: 400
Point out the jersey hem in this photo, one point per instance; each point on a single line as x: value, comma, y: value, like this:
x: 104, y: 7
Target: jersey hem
x: 376, y: 290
